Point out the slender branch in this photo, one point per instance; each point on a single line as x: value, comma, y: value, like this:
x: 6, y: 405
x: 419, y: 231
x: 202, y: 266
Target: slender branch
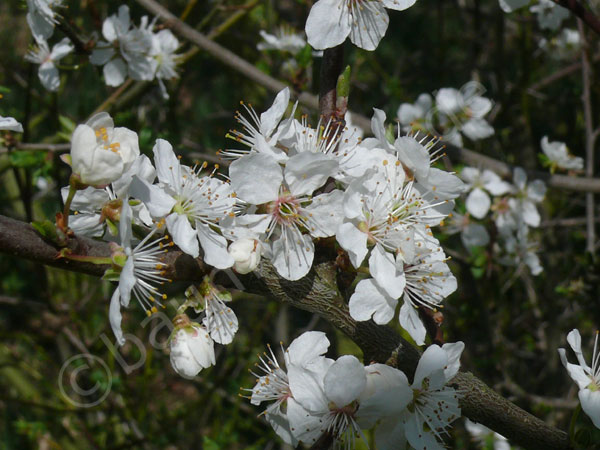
x: 472, y: 158
x: 584, y: 14
x: 317, y: 293
x: 586, y: 98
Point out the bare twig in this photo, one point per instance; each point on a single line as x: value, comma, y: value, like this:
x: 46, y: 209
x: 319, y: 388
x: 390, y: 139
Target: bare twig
x: 589, y: 138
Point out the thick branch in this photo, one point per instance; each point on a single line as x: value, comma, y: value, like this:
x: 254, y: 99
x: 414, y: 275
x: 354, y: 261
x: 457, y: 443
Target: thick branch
x: 317, y: 293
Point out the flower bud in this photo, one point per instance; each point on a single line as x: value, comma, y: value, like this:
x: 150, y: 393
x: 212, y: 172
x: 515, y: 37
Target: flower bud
x: 100, y: 153
x: 246, y: 254
x: 192, y: 349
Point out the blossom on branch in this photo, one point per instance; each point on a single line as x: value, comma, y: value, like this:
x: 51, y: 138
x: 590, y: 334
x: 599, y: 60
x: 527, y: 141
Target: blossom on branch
x: 331, y: 21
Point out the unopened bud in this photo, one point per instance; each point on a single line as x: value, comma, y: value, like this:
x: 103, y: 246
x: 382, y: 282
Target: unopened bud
x: 192, y: 349
x: 246, y: 254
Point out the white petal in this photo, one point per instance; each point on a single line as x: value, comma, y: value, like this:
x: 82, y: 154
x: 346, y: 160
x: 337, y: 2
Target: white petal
x: 115, y: 318
x: 478, y: 203
x: 370, y: 301
x: 168, y: 168
x: 369, y: 26
x: 306, y: 347
x: 382, y: 266
x: 10, y: 124
x: 272, y: 116
x: 305, y: 426
x: 158, y: 202
x: 454, y: 350
x: 536, y: 190
x: 307, y: 171
x: 183, y: 234
x: 214, y: 246
x: 115, y: 72
x: 590, y: 403
x: 307, y: 388
x: 325, y: 214
x: 389, y: 435
x: 48, y: 74
x: 293, y: 254
x: 328, y: 24
x: 353, y: 241
x: 411, y: 322
x: 345, y: 380
x: 256, y: 178
x: 475, y: 235
x: 530, y: 214
x: 432, y: 360
x: 398, y: 5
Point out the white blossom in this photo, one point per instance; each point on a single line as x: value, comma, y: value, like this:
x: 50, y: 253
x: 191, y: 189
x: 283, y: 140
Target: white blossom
x: 479, y: 183
x: 48, y: 72
x: 284, y: 39
x: 191, y: 347
x: 434, y: 405
x: 549, y: 14
x: 41, y: 18
x: 246, y: 254
x: 141, y: 269
x: 331, y: 21
x: 559, y: 156
x: 304, y: 357
x: 463, y: 111
x: 101, y: 153
x: 586, y: 377
x: 261, y: 134
x: 289, y: 208
x: 527, y: 195
x: 126, y: 50
x: 192, y: 205
x: 10, y: 124
x: 164, y: 46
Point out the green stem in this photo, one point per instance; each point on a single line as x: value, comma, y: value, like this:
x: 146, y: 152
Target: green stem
x: 68, y: 201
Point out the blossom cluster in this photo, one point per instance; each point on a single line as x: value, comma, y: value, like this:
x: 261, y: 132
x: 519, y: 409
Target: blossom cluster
x: 513, y: 211
x: 311, y: 395
x: 124, y: 49
x: 291, y: 186
x: 451, y: 114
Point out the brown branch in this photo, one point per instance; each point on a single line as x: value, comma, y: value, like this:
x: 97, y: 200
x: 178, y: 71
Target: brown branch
x: 586, y: 98
x: 472, y: 158
x: 584, y: 14
x: 331, y: 67
x: 317, y: 293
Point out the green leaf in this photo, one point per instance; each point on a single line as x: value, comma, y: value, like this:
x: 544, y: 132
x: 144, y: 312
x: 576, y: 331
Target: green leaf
x: 46, y: 229
x: 27, y: 159
x: 67, y: 124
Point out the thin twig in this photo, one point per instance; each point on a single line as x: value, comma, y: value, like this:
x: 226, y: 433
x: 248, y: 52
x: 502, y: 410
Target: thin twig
x: 586, y: 98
